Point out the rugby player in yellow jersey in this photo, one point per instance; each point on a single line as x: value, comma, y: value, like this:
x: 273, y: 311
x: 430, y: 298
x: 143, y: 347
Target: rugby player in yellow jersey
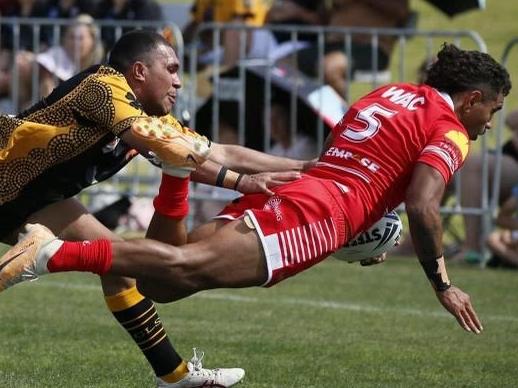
x: 79, y: 135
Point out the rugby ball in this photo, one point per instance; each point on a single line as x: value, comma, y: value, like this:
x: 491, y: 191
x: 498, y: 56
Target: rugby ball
x: 379, y: 238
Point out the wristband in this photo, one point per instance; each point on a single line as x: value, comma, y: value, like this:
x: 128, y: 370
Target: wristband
x: 228, y: 179
x: 221, y: 176
x: 173, y: 197
x: 436, y: 273
x: 238, y: 180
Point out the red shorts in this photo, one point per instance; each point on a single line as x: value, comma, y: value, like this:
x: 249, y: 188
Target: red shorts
x: 299, y: 226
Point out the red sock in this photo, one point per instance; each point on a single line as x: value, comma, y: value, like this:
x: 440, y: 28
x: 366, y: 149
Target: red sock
x: 84, y: 256
x: 173, y: 197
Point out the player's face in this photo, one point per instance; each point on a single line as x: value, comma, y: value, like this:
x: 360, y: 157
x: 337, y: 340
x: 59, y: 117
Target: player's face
x: 162, y: 82
x: 478, y: 119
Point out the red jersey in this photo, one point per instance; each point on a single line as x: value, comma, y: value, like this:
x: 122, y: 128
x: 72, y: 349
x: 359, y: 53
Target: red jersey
x: 378, y: 142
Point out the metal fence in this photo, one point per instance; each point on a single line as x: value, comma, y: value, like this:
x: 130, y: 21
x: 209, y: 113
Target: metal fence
x: 25, y: 40
x: 236, y: 87
x: 308, y: 101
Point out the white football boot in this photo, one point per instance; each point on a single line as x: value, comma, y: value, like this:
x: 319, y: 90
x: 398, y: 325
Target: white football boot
x: 198, y: 377
x: 27, y: 260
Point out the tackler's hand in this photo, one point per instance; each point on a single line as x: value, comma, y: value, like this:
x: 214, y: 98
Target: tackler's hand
x: 262, y: 182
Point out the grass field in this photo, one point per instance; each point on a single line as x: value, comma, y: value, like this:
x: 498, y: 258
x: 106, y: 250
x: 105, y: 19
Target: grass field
x: 338, y: 325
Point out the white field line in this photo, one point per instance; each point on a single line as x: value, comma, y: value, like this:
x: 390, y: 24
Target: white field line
x: 319, y: 304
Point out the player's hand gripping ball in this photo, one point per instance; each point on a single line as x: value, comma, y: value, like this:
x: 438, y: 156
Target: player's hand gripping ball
x: 375, y: 241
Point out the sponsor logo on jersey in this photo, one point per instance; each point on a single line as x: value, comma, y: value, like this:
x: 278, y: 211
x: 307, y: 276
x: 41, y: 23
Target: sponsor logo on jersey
x: 406, y: 99
x: 460, y: 140
x: 455, y: 146
x: 273, y: 205
x: 337, y: 152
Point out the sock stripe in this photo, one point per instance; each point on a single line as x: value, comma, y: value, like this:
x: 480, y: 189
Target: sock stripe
x: 139, y: 318
x: 128, y: 319
x: 142, y: 319
x: 124, y: 300
x: 154, y: 343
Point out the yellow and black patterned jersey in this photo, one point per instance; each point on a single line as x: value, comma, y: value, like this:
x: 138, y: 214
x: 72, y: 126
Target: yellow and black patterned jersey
x: 64, y: 143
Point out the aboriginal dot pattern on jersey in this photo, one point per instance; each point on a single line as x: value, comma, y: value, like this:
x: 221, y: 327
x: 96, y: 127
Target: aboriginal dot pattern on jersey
x: 123, y: 125
x: 91, y: 100
x: 95, y: 103
x: 18, y: 173
x: 7, y: 126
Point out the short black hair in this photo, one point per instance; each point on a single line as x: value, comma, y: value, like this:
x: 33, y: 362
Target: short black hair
x: 459, y: 70
x: 134, y: 46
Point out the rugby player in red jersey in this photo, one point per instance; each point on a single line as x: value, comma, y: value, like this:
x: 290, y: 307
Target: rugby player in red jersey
x: 400, y: 143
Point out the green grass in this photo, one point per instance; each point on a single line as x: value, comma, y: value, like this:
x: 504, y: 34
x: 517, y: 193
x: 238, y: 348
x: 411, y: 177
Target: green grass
x: 338, y: 325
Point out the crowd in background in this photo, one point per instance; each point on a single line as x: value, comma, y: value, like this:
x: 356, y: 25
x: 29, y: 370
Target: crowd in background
x: 85, y: 42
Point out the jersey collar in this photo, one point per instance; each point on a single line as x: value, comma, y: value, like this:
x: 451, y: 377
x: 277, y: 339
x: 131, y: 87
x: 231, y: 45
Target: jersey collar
x: 446, y: 98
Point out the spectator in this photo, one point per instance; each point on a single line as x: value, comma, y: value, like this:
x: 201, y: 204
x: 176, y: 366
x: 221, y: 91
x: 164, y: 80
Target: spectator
x: 67, y: 9
x: 80, y: 49
x: 6, y: 64
x: 298, y: 145
x: 214, y: 198
x: 355, y: 13
x: 471, y: 188
x: 296, y: 12
x: 23, y: 63
x: 251, y: 12
x: 503, y: 243
x: 23, y: 9
x: 122, y: 10
x: 299, y: 13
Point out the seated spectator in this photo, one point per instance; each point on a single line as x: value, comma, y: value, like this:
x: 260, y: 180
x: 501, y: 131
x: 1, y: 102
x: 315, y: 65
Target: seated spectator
x: 67, y: 9
x: 355, y: 13
x: 294, y: 13
x: 212, y: 199
x: 249, y: 12
x: 6, y: 63
x: 471, y: 188
x: 23, y: 9
x: 23, y: 64
x: 121, y: 10
x: 503, y: 243
x: 295, y: 146
x: 80, y: 49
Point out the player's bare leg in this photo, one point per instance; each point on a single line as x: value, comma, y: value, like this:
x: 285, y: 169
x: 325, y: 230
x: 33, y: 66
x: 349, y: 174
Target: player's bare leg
x: 232, y: 257
x: 160, y: 291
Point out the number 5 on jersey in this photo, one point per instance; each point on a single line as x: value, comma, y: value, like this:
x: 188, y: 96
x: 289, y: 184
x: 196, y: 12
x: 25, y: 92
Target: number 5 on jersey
x: 369, y: 123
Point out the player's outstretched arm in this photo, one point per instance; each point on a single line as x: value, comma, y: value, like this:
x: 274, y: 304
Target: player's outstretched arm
x: 246, y: 160
x: 217, y: 175
x: 422, y: 203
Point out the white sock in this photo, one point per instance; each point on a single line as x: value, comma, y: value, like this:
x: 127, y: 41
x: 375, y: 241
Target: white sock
x: 45, y: 254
